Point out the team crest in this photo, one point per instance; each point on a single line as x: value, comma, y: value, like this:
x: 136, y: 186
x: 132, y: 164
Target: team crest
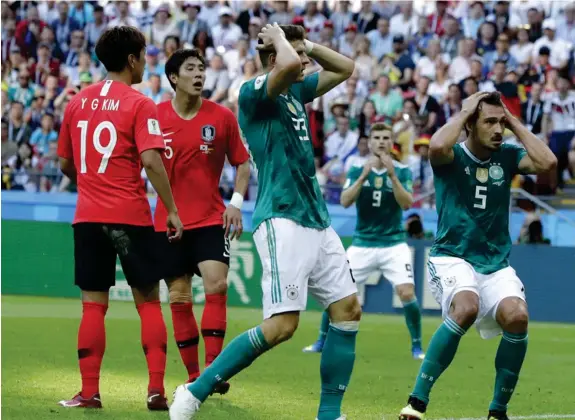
x: 496, y: 172
x: 291, y: 108
x: 378, y: 182
x: 208, y: 133
x: 481, y: 174
x: 298, y: 106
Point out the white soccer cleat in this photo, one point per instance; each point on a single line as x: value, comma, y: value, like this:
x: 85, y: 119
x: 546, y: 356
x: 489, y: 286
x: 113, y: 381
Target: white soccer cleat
x: 410, y: 413
x: 185, y: 405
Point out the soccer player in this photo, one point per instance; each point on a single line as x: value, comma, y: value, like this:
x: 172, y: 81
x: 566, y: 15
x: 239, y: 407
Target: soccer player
x: 298, y: 248
x: 199, y: 134
x: 468, y: 266
x: 109, y: 131
x: 381, y: 189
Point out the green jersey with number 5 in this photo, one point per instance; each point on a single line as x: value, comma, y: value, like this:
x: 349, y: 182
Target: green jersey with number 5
x: 277, y: 133
x: 379, y: 217
x: 472, y: 199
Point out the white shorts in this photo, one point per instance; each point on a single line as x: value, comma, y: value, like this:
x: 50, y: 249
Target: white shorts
x: 450, y: 275
x: 394, y: 262
x: 294, y: 259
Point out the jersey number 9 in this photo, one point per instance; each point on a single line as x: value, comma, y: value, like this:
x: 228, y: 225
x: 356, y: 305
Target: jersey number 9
x: 105, y: 151
x: 480, y: 195
x: 376, y: 198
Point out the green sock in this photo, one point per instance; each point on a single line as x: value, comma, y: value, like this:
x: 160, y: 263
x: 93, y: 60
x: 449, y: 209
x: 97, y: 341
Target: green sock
x: 323, y: 327
x: 413, y: 321
x: 508, y: 361
x: 336, y: 366
x: 237, y: 355
x: 439, y: 356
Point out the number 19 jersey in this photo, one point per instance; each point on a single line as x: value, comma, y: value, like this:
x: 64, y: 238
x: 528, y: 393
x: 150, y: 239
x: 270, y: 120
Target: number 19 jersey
x: 105, y: 129
x: 472, y: 199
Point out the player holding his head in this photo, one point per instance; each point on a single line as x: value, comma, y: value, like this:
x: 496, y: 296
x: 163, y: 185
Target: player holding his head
x: 382, y: 190
x: 109, y: 132
x: 199, y: 135
x: 299, y: 250
x: 469, y: 268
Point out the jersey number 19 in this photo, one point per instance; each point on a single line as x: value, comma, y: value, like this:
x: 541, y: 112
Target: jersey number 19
x: 105, y: 151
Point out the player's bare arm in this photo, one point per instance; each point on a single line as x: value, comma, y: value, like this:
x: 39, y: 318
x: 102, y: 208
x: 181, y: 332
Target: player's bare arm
x: 68, y: 168
x: 233, y: 215
x: 287, y: 66
x: 403, y: 197
x: 351, y: 193
x: 336, y: 67
x: 539, y: 157
x: 442, y: 142
x: 152, y: 161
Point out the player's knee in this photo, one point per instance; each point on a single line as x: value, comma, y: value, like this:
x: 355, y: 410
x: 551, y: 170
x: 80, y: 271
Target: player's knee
x: 180, y: 291
x: 464, y: 309
x: 216, y: 285
x: 347, y: 309
x: 405, y: 292
x: 513, y: 315
x: 280, y: 328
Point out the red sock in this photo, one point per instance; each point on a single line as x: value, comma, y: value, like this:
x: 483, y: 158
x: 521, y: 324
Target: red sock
x: 154, y: 343
x: 91, y: 346
x: 186, y: 334
x: 214, y: 325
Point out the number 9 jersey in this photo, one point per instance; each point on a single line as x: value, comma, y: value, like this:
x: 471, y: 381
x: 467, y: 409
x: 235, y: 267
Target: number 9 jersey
x: 105, y: 129
x: 472, y: 200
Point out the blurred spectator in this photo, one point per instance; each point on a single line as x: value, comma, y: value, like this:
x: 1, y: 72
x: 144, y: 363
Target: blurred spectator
x: 347, y: 40
x: 20, y: 173
x: 49, y: 169
x: 8, y: 38
x: 170, y: 45
x: 342, y: 18
x: 439, y: 88
x: 34, y: 114
x: 502, y: 17
x: 388, y: 102
x: 404, y: 23
x: 366, y: 19
x: 486, y: 38
x: 153, y: 64
x: 217, y: 80
x: 82, y: 12
x: 414, y: 228
x: 162, y: 26
x: 427, y: 105
x: 523, y: 49
x: 189, y: 27
x: 45, y: 65
x: 451, y: 36
x: 475, y: 17
x: 28, y: 30
x: 387, y: 67
x: 436, y: 19
x: 145, y: 16
x: 48, y: 37
x: 248, y: 72
x: 501, y: 53
x: 204, y: 42
x: 235, y: 58
x: 535, y: 24
x: 9, y: 147
x: 313, y: 20
x: 453, y: 104
x: 282, y: 15
x: 155, y: 90
x: 226, y: 34
x: 560, y: 49
x: 64, y: 26
x: 460, y: 67
x: 532, y: 231
x: 123, y: 17
x: 255, y: 9
x: 420, y: 166
x: 532, y: 110
x: 364, y: 61
x: 419, y: 42
x: 85, y: 65
x: 76, y: 47
x: 48, y: 11
x: 360, y: 156
x: 44, y: 135
x: 426, y: 65
x: 210, y: 13
x: 342, y: 143
x: 566, y: 23
x: 367, y: 117
x: 338, y: 108
x: 96, y: 27
x: 380, y: 39
x: 403, y: 61
x: 23, y: 91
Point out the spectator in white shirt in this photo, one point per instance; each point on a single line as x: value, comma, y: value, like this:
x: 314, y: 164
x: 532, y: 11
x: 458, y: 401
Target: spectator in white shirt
x: 381, y: 39
x: 282, y: 15
x: 162, y: 27
x: 48, y: 11
x: 566, y: 24
x: 313, y: 20
x: 404, y: 23
x: 189, y: 27
x: 217, y: 80
x: 358, y: 158
x: 427, y: 64
x: 94, y: 29
x: 560, y: 49
x: 339, y: 146
x: 460, y: 67
x: 226, y: 34
x: 523, y: 49
x: 346, y: 41
x: 235, y: 58
x: 341, y: 18
x: 123, y: 18
x: 210, y: 13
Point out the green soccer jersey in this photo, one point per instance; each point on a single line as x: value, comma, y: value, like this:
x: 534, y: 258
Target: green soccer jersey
x: 277, y: 133
x: 379, y: 216
x: 472, y: 199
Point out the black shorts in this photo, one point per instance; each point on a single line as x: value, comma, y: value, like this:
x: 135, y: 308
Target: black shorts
x: 96, y: 246
x: 197, y: 245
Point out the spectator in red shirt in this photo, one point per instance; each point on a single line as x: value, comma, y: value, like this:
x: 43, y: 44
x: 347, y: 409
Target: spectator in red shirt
x: 435, y: 20
x: 45, y: 65
x: 28, y: 31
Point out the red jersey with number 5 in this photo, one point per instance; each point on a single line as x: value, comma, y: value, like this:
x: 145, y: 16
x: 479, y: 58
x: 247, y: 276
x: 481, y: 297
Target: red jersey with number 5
x: 194, y: 158
x: 105, y: 129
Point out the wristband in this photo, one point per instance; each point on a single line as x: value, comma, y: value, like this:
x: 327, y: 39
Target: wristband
x: 237, y: 200
x: 308, y: 46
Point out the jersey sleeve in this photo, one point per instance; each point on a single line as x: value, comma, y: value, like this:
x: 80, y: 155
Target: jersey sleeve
x: 236, y: 152
x: 516, y: 153
x: 254, y: 96
x: 406, y: 179
x: 64, y: 139
x: 308, y: 87
x: 352, y: 176
x: 147, y: 132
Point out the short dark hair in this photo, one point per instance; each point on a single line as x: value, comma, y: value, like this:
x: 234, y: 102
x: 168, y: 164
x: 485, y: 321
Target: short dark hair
x: 177, y: 59
x: 292, y: 33
x: 116, y: 44
x: 492, y: 98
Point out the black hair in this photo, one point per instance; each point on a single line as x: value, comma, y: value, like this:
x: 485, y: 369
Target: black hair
x: 492, y: 98
x: 98, y: 8
x: 177, y: 59
x: 175, y: 38
x: 116, y: 44
x: 499, y: 61
x: 292, y: 33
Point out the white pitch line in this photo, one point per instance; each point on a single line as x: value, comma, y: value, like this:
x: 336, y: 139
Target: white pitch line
x: 531, y: 417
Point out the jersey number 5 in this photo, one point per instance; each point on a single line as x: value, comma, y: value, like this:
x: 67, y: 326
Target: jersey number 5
x: 105, y: 151
x: 480, y: 195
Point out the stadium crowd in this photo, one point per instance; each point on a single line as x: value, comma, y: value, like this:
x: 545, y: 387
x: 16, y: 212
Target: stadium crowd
x: 415, y: 63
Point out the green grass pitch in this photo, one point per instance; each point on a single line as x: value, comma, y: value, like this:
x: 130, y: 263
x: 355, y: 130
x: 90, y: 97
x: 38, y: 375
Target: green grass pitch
x: 39, y: 368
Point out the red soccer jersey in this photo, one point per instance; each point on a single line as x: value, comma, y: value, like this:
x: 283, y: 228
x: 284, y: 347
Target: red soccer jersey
x: 194, y: 158
x: 105, y: 129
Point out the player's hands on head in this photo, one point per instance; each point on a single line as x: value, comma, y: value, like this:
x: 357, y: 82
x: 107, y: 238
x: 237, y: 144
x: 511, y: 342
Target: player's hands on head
x: 268, y: 34
x: 233, y: 217
x: 175, y: 227
x: 470, y: 104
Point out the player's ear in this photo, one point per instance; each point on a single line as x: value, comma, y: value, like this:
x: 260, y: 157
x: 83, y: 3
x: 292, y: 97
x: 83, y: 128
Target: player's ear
x: 173, y: 78
x: 132, y: 61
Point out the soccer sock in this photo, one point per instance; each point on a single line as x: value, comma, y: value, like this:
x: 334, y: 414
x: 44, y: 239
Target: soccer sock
x: 238, y: 355
x: 154, y: 343
x: 214, y: 325
x: 324, y: 327
x: 91, y: 346
x: 336, y: 365
x: 508, y: 361
x: 440, y: 353
x: 187, y: 337
x: 413, y: 321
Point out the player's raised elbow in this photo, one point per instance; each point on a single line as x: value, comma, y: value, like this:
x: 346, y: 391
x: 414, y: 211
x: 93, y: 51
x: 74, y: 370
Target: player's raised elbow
x: 344, y: 201
x: 550, y: 163
x: 348, y: 67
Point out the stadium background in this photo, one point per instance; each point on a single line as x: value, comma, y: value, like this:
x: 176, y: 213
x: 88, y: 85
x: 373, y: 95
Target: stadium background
x: 415, y: 63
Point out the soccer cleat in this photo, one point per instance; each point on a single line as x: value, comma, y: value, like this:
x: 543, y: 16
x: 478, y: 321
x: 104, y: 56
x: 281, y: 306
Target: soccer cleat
x: 497, y: 415
x: 185, y: 405
x: 221, y: 388
x: 81, y: 402
x: 410, y: 413
x: 316, y: 347
x: 157, y: 401
x: 418, y: 354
